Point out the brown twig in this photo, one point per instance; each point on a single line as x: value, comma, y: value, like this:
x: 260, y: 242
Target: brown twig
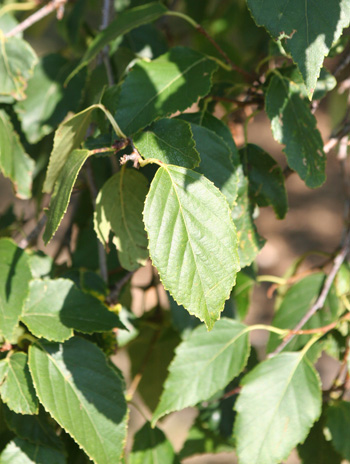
x: 57, y: 5
x: 113, y: 296
x: 319, y: 303
x: 33, y: 234
x: 239, y: 103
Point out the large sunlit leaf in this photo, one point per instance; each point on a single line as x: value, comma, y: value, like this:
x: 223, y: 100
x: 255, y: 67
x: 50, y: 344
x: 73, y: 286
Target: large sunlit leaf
x: 204, y: 363
x: 151, y: 446
x: 266, y: 181
x: 83, y: 394
x: 155, y: 89
x: 54, y: 308
x: 20, y: 451
x: 17, y: 389
x: 280, y: 400
x: 125, y: 22
x: 170, y: 141
x: 294, y: 125
x: 119, y: 208
x: 14, y: 162
x: 48, y: 101
x: 62, y: 191
x: 14, y: 284
x: 17, y: 61
x: 192, y: 240
x: 308, y: 29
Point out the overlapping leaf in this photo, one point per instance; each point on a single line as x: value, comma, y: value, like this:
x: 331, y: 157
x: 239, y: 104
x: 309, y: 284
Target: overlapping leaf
x: 62, y: 191
x: 219, y: 356
x: 20, y: 451
x: 14, y: 162
x: 170, y: 141
x: 17, y: 389
x: 119, y: 208
x: 55, y: 307
x: 125, y: 22
x: 293, y: 125
x: 192, y: 240
x: 309, y: 29
x: 151, y: 446
x: 48, y: 102
x: 279, y: 402
x: 155, y: 89
x: 83, y: 394
x: 338, y: 421
x: 14, y: 285
x: 266, y: 181
x: 17, y: 61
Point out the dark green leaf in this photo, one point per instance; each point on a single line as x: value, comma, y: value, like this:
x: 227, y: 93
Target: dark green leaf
x: 170, y: 141
x: 62, y: 191
x: 151, y: 446
x: 338, y: 423
x: 242, y: 294
x: 83, y: 394
x: 155, y: 89
x: 48, y: 102
x: 125, y: 22
x: 308, y: 28
x: 14, y: 285
x: 192, y: 240
x: 17, y: 389
x: 279, y: 402
x: 266, y: 180
x: 219, y: 356
x: 14, y: 162
x: 293, y: 125
x: 20, y: 451
x: 55, y: 307
x: 17, y: 61
x: 119, y: 208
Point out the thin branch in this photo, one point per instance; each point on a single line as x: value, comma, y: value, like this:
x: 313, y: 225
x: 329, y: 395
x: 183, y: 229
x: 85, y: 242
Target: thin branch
x: 33, y: 234
x: 113, y: 296
x: 57, y: 5
x: 319, y: 303
x: 239, y: 103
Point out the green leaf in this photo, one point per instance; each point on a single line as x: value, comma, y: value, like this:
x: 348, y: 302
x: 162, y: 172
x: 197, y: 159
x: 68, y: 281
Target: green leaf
x: 83, y: 394
x: 54, y: 308
x: 35, y: 428
x: 266, y: 181
x: 242, y: 294
x: 125, y: 22
x: 309, y: 29
x: 20, y: 451
x: 338, y: 422
x: 316, y: 449
x: 249, y: 241
x: 154, y: 373
x: 170, y: 141
x: 201, y: 439
x: 14, y: 162
x: 280, y: 400
x: 40, y: 263
x: 216, y: 162
x: 17, y: 61
x: 119, y: 208
x: 192, y: 240
x: 17, y: 390
x: 14, y: 284
x: 68, y: 137
x: 48, y: 102
x: 297, y: 300
x: 155, y: 89
x: 219, y: 356
x: 293, y: 125
x: 151, y: 446
x: 62, y: 191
